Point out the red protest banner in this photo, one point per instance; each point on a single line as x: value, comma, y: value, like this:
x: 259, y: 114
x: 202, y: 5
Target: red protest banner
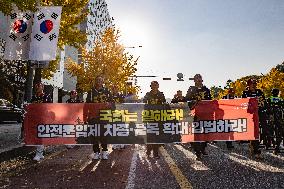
x: 57, y: 121
x: 240, y: 115
x: 52, y: 124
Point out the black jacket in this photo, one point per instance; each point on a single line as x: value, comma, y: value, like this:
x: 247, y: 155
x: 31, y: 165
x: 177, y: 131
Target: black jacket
x: 42, y: 98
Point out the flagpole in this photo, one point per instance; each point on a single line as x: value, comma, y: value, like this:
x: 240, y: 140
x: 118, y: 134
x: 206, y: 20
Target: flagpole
x: 37, y: 77
x: 29, y: 82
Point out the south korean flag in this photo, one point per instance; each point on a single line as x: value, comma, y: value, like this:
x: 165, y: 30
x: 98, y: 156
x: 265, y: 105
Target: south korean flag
x: 45, y: 34
x: 18, y: 35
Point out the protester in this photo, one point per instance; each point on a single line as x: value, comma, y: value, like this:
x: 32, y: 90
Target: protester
x: 195, y: 94
x: 178, y: 97
x: 252, y: 91
x: 230, y: 95
x: 99, y: 94
x: 40, y: 97
x: 73, y: 99
x: 277, y: 120
x: 117, y: 97
x: 154, y: 97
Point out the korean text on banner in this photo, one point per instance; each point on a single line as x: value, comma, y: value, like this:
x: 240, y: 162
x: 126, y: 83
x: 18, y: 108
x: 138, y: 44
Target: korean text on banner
x: 84, y: 123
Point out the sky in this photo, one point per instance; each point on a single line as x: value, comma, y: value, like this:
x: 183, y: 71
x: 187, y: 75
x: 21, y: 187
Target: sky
x: 220, y: 39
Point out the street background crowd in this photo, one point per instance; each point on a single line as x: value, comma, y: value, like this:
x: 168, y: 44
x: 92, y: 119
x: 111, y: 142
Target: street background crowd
x: 270, y: 112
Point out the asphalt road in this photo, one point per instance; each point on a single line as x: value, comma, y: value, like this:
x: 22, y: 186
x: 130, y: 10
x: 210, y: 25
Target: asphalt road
x: 132, y: 168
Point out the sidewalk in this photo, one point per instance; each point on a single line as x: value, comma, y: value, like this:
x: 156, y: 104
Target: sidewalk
x: 11, y: 146
x: 9, y: 136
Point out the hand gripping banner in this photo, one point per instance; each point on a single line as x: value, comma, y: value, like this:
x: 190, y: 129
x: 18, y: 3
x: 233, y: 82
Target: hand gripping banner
x: 139, y: 123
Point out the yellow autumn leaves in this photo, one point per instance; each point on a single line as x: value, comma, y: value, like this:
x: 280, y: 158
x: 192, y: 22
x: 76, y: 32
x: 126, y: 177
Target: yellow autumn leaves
x: 273, y: 79
x: 108, y: 59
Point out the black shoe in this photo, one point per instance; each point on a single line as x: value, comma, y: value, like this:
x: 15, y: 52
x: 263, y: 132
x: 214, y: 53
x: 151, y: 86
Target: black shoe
x: 230, y: 147
x: 198, y: 157
x: 204, y: 153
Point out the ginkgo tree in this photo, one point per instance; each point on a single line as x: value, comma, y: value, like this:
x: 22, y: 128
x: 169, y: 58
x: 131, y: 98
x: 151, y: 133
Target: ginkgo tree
x: 239, y: 85
x: 273, y: 79
x: 109, y: 59
x: 6, y: 6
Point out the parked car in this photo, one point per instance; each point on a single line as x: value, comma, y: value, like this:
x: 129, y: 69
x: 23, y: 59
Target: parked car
x: 10, y: 112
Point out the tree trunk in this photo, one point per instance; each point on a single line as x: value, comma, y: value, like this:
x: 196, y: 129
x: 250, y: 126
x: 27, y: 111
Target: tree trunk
x: 37, y: 77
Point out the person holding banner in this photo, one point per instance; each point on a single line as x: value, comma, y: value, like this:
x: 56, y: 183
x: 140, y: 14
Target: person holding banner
x: 178, y: 97
x: 195, y: 94
x: 154, y: 97
x: 230, y: 95
x: 40, y: 97
x: 73, y: 99
x: 99, y: 94
x: 253, y: 92
x: 117, y: 97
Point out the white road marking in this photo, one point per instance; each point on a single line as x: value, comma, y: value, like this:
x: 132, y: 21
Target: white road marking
x: 196, y: 165
x: 250, y: 163
x: 85, y: 165
x: 132, y: 170
x: 96, y: 166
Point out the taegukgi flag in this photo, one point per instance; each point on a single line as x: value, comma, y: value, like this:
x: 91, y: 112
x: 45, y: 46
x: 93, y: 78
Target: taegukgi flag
x: 45, y: 33
x: 18, y: 35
